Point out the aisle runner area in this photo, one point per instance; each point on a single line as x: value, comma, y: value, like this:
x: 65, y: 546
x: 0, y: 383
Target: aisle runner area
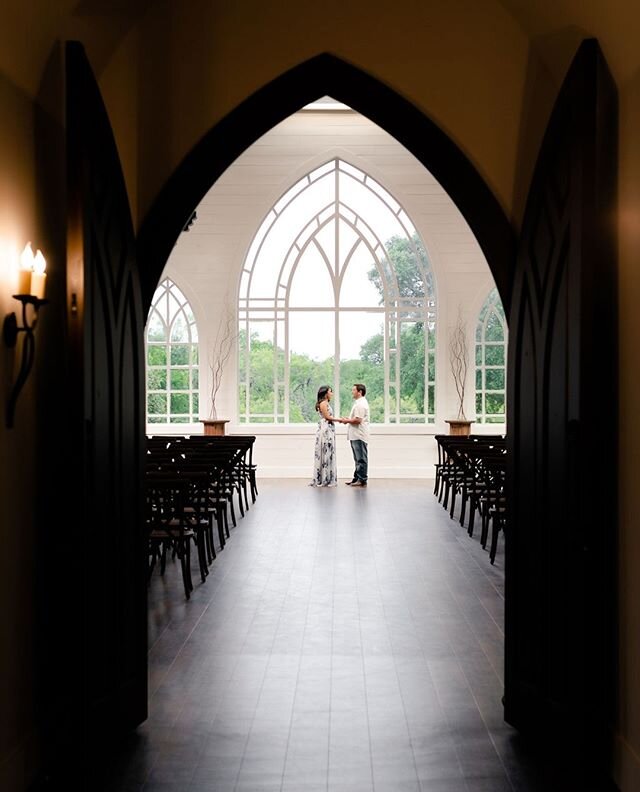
x: 344, y: 640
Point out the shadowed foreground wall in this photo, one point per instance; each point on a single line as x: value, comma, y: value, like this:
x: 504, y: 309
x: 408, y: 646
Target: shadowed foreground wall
x: 18, y: 739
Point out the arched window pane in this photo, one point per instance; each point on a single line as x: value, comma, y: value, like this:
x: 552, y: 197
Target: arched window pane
x: 370, y: 207
x: 172, y: 357
x: 358, y: 283
x: 326, y: 239
x: 311, y: 361
x: 262, y: 352
x: 156, y: 328
x: 347, y: 240
x: 180, y: 329
x: 311, y: 284
x: 491, y: 352
x: 362, y: 357
x: 412, y: 371
x: 494, y: 329
x: 281, y: 235
x: 337, y: 240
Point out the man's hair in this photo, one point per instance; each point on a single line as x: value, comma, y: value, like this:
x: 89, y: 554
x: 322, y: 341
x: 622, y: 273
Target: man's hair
x: 362, y: 388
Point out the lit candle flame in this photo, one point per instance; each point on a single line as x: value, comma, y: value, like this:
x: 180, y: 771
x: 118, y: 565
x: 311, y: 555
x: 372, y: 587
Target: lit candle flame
x: 39, y: 263
x: 26, y: 257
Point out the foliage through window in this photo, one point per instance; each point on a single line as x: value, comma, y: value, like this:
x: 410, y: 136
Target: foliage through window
x: 171, y: 345
x: 491, y: 351
x: 336, y: 289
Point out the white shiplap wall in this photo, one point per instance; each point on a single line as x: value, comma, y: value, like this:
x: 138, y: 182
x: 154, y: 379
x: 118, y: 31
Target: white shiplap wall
x: 206, y: 264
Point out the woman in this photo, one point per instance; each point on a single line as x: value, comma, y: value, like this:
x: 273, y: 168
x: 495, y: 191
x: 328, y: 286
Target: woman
x: 325, y: 468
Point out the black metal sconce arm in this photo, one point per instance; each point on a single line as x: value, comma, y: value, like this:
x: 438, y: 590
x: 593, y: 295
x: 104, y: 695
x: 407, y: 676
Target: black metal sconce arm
x: 10, y: 332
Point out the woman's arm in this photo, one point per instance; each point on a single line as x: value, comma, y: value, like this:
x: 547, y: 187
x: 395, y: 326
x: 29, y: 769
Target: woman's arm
x: 324, y: 412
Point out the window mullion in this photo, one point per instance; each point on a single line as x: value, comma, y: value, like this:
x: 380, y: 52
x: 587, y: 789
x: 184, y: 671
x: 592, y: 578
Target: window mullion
x: 287, y: 384
x: 397, y: 362
x: 385, y: 352
x: 425, y: 325
x: 336, y: 290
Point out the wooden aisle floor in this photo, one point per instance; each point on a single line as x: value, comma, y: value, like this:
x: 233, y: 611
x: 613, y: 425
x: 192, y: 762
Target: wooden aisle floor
x: 346, y: 640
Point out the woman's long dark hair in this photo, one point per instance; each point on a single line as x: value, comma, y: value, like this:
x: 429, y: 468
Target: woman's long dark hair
x: 322, y: 395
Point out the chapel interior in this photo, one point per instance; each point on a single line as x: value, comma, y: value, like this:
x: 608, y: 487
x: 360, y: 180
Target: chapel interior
x: 228, y: 198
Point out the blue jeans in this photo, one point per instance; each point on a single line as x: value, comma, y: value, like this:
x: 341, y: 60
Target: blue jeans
x: 361, y: 457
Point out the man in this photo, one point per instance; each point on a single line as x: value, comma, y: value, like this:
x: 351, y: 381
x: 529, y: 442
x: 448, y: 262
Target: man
x: 358, y: 435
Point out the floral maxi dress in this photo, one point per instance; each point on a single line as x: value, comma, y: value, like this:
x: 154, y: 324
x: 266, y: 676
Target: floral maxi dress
x: 325, y: 467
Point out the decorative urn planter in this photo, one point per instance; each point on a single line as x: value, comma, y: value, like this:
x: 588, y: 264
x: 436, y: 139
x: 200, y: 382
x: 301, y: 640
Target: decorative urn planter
x: 214, y: 426
x: 459, y: 426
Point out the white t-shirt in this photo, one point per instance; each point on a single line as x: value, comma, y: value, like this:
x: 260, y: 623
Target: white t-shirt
x: 360, y: 410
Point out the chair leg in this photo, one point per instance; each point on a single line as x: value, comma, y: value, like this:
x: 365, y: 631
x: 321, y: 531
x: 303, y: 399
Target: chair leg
x: 472, y: 514
x: 494, y: 538
x: 453, y: 500
x: 199, y: 539
x: 447, y: 487
x: 463, y: 507
x: 210, y: 543
x: 233, y: 512
x: 221, y: 519
x: 486, y: 515
x: 185, y: 563
x: 225, y: 521
x: 163, y: 558
x: 244, y: 490
x: 152, y: 563
x: 237, y: 486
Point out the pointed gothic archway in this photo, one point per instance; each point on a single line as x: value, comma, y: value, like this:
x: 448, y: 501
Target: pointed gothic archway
x: 567, y: 232
x: 324, y: 75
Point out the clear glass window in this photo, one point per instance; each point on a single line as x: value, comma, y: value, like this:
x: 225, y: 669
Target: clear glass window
x: 491, y: 357
x: 171, y: 340
x: 336, y: 289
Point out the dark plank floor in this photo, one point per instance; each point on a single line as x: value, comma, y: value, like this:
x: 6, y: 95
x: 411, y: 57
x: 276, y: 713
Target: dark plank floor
x: 345, y: 640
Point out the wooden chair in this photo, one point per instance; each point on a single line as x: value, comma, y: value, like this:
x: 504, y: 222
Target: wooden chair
x: 168, y: 527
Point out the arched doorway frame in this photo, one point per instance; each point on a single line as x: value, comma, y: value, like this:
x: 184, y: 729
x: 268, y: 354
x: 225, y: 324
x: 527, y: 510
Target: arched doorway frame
x: 323, y: 75
x: 585, y: 113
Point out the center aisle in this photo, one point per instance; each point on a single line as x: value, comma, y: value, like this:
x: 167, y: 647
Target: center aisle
x: 344, y: 640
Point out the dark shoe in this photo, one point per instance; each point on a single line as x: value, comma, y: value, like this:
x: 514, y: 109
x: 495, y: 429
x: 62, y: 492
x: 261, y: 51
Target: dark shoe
x: 349, y: 483
x: 359, y: 484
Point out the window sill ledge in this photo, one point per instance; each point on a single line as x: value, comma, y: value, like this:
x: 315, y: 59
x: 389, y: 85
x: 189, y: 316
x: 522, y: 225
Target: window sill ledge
x: 375, y: 430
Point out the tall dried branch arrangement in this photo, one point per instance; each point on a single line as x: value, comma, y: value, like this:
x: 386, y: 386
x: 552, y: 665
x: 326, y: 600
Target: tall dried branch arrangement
x: 226, y: 336
x: 459, y: 359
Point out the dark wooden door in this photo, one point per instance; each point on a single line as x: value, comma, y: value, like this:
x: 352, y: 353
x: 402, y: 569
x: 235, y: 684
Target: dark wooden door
x: 106, y: 391
x: 561, y: 538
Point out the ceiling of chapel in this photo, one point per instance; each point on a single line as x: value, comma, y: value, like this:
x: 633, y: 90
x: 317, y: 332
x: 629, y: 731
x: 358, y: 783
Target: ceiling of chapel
x: 29, y: 30
x: 556, y: 28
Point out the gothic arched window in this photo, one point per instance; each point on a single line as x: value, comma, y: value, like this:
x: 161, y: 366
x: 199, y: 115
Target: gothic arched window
x: 336, y: 289
x: 171, y: 345
x: 491, y: 357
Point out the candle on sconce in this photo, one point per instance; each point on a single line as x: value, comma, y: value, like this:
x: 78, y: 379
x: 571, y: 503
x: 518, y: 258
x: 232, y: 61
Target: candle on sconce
x: 38, y: 276
x: 26, y: 268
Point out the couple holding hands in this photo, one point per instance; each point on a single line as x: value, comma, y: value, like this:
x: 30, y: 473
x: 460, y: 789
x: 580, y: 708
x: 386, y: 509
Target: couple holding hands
x: 325, y: 467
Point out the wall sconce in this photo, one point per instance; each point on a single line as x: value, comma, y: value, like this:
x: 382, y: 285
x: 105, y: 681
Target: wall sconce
x: 31, y: 288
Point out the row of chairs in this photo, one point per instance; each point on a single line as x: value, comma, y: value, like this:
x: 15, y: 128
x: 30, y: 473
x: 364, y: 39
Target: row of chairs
x: 473, y: 468
x: 192, y: 484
